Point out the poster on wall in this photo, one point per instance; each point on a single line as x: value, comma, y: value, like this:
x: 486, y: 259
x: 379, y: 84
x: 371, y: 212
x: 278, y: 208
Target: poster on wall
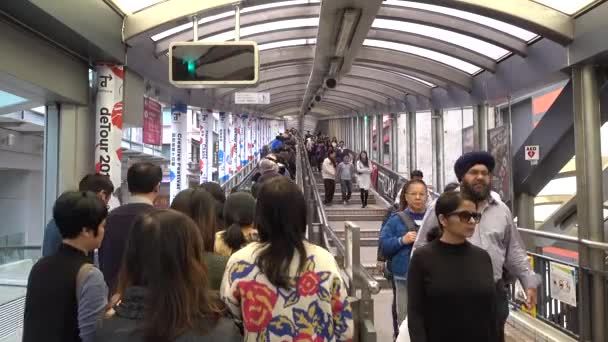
x: 240, y: 132
x: 153, y: 128
x: 177, y: 174
x: 563, y: 283
x: 108, y: 123
x: 221, y: 158
x: 468, y: 139
x: 498, y: 146
x: 204, y: 150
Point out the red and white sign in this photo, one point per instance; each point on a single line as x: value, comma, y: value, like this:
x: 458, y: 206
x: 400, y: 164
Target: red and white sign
x: 153, y: 129
x: 108, y: 121
x: 532, y: 152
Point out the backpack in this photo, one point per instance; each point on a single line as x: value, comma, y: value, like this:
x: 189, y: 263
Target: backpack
x: 411, y: 227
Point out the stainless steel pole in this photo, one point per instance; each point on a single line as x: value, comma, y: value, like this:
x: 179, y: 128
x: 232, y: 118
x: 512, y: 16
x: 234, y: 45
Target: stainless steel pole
x: 590, y: 215
x: 380, y: 138
x: 525, y: 217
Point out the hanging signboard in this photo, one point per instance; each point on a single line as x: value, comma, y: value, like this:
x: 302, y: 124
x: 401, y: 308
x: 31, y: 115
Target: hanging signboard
x: 252, y: 98
x: 221, y: 152
x: 563, y: 283
x: 108, y: 123
x: 177, y: 174
x: 204, y: 138
x: 153, y: 128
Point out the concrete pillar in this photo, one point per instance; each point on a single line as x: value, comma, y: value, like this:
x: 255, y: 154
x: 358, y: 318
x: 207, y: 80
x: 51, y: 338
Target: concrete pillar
x: 51, y: 159
x: 438, y: 149
x: 411, y: 127
x: 379, y: 136
x: 525, y: 217
x: 480, y: 124
x: 587, y: 123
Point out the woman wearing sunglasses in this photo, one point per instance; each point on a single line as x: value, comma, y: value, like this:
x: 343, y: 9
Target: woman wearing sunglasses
x: 450, y: 284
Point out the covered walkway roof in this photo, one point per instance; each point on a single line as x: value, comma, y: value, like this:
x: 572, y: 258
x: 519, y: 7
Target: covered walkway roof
x: 403, y: 54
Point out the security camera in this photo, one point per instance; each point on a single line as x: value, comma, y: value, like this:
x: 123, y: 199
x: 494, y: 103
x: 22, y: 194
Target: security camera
x: 318, y: 98
x: 331, y: 83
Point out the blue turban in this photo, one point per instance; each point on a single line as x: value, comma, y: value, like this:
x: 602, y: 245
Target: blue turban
x: 468, y: 160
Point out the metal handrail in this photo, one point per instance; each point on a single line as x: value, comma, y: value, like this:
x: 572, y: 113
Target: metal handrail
x: 565, y: 238
x: 242, y: 175
x: 372, y: 285
x: 21, y: 247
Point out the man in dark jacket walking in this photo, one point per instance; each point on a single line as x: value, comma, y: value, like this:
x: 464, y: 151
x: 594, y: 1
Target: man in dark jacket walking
x: 144, y: 182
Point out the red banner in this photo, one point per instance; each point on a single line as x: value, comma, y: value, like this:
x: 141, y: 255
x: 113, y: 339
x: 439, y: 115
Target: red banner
x: 153, y: 128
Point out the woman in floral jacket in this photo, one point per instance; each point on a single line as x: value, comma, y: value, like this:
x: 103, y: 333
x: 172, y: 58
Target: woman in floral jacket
x: 284, y: 288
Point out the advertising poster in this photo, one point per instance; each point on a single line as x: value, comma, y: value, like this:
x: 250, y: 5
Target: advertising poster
x: 153, y: 127
x: 240, y: 133
x: 221, y: 152
x: 108, y: 121
x: 179, y: 144
x: 563, y: 283
x: 204, y: 150
x: 498, y: 146
x: 231, y: 145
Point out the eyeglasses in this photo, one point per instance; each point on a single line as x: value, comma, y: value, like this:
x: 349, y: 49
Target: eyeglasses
x: 466, y: 216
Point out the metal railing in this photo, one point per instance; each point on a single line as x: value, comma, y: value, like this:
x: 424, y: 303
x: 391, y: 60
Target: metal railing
x: 347, y: 253
x: 563, y: 316
x: 19, y: 252
x: 237, y: 180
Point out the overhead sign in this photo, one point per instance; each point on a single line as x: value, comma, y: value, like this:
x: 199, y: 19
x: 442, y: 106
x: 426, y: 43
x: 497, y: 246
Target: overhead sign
x: 153, y: 129
x: 563, y: 283
x: 532, y: 152
x: 252, y: 98
x: 214, y: 64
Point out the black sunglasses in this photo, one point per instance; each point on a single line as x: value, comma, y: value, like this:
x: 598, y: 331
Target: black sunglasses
x: 466, y: 216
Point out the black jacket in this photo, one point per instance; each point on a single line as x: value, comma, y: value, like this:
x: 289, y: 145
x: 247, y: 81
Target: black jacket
x: 123, y: 325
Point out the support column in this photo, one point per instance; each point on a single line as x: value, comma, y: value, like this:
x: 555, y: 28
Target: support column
x: 525, y: 217
x: 394, y: 145
x: 411, y: 127
x: 438, y: 149
x: 380, y: 135
x: 51, y: 159
x: 351, y: 134
x: 587, y: 123
x: 480, y: 124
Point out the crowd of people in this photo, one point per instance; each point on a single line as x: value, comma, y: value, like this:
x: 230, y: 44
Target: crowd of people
x: 238, y: 267
x: 210, y: 268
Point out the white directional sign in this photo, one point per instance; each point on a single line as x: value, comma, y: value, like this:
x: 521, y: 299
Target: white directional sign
x: 252, y: 98
x: 532, y: 152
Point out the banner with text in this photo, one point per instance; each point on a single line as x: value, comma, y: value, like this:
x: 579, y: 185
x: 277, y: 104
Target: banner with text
x: 498, y: 146
x: 179, y: 144
x: 221, y: 146
x: 206, y: 125
x: 108, y: 123
x: 153, y: 128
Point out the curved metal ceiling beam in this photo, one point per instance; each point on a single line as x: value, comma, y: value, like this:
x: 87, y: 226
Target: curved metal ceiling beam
x: 397, y: 81
x: 437, y: 45
x: 247, y: 19
x: 526, y: 14
x: 341, y: 100
x: 455, y: 24
x: 425, y: 77
x: 291, y: 111
x: 358, y: 103
x: 378, y: 58
x: 285, y: 94
x: 294, y: 105
x: 287, y: 55
x: 284, y: 34
x: 335, y: 106
x: 271, y: 75
x: 412, y: 62
x: 263, y: 87
x: 381, y: 91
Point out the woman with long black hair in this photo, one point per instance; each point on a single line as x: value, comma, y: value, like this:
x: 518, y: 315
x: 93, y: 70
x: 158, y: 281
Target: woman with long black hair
x: 450, y: 282
x: 238, y: 215
x: 163, y: 292
x: 283, y: 287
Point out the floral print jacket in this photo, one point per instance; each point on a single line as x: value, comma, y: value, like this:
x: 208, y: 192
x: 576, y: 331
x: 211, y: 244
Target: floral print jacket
x: 315, y: 310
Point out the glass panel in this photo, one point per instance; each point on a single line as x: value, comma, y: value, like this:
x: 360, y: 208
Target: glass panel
x: 285, y: 43
x: 375, y: 138
x: 452, y: 142
x: 560, y: 186
x: 439, y: 57
x: 569, y: 7
x: 493, y: 23
x: 465, y: 41
x: 132, y: 6
x: 8, y: 99
x: 386, y: 140
x: 184, y: 27
x: 417, y: 79
x: 402, y: 140
x: 424, y: 145
x: 542, y: 212
x: 272, y: 26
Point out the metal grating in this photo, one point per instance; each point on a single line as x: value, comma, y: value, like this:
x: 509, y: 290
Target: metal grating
x: 11, y: 317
